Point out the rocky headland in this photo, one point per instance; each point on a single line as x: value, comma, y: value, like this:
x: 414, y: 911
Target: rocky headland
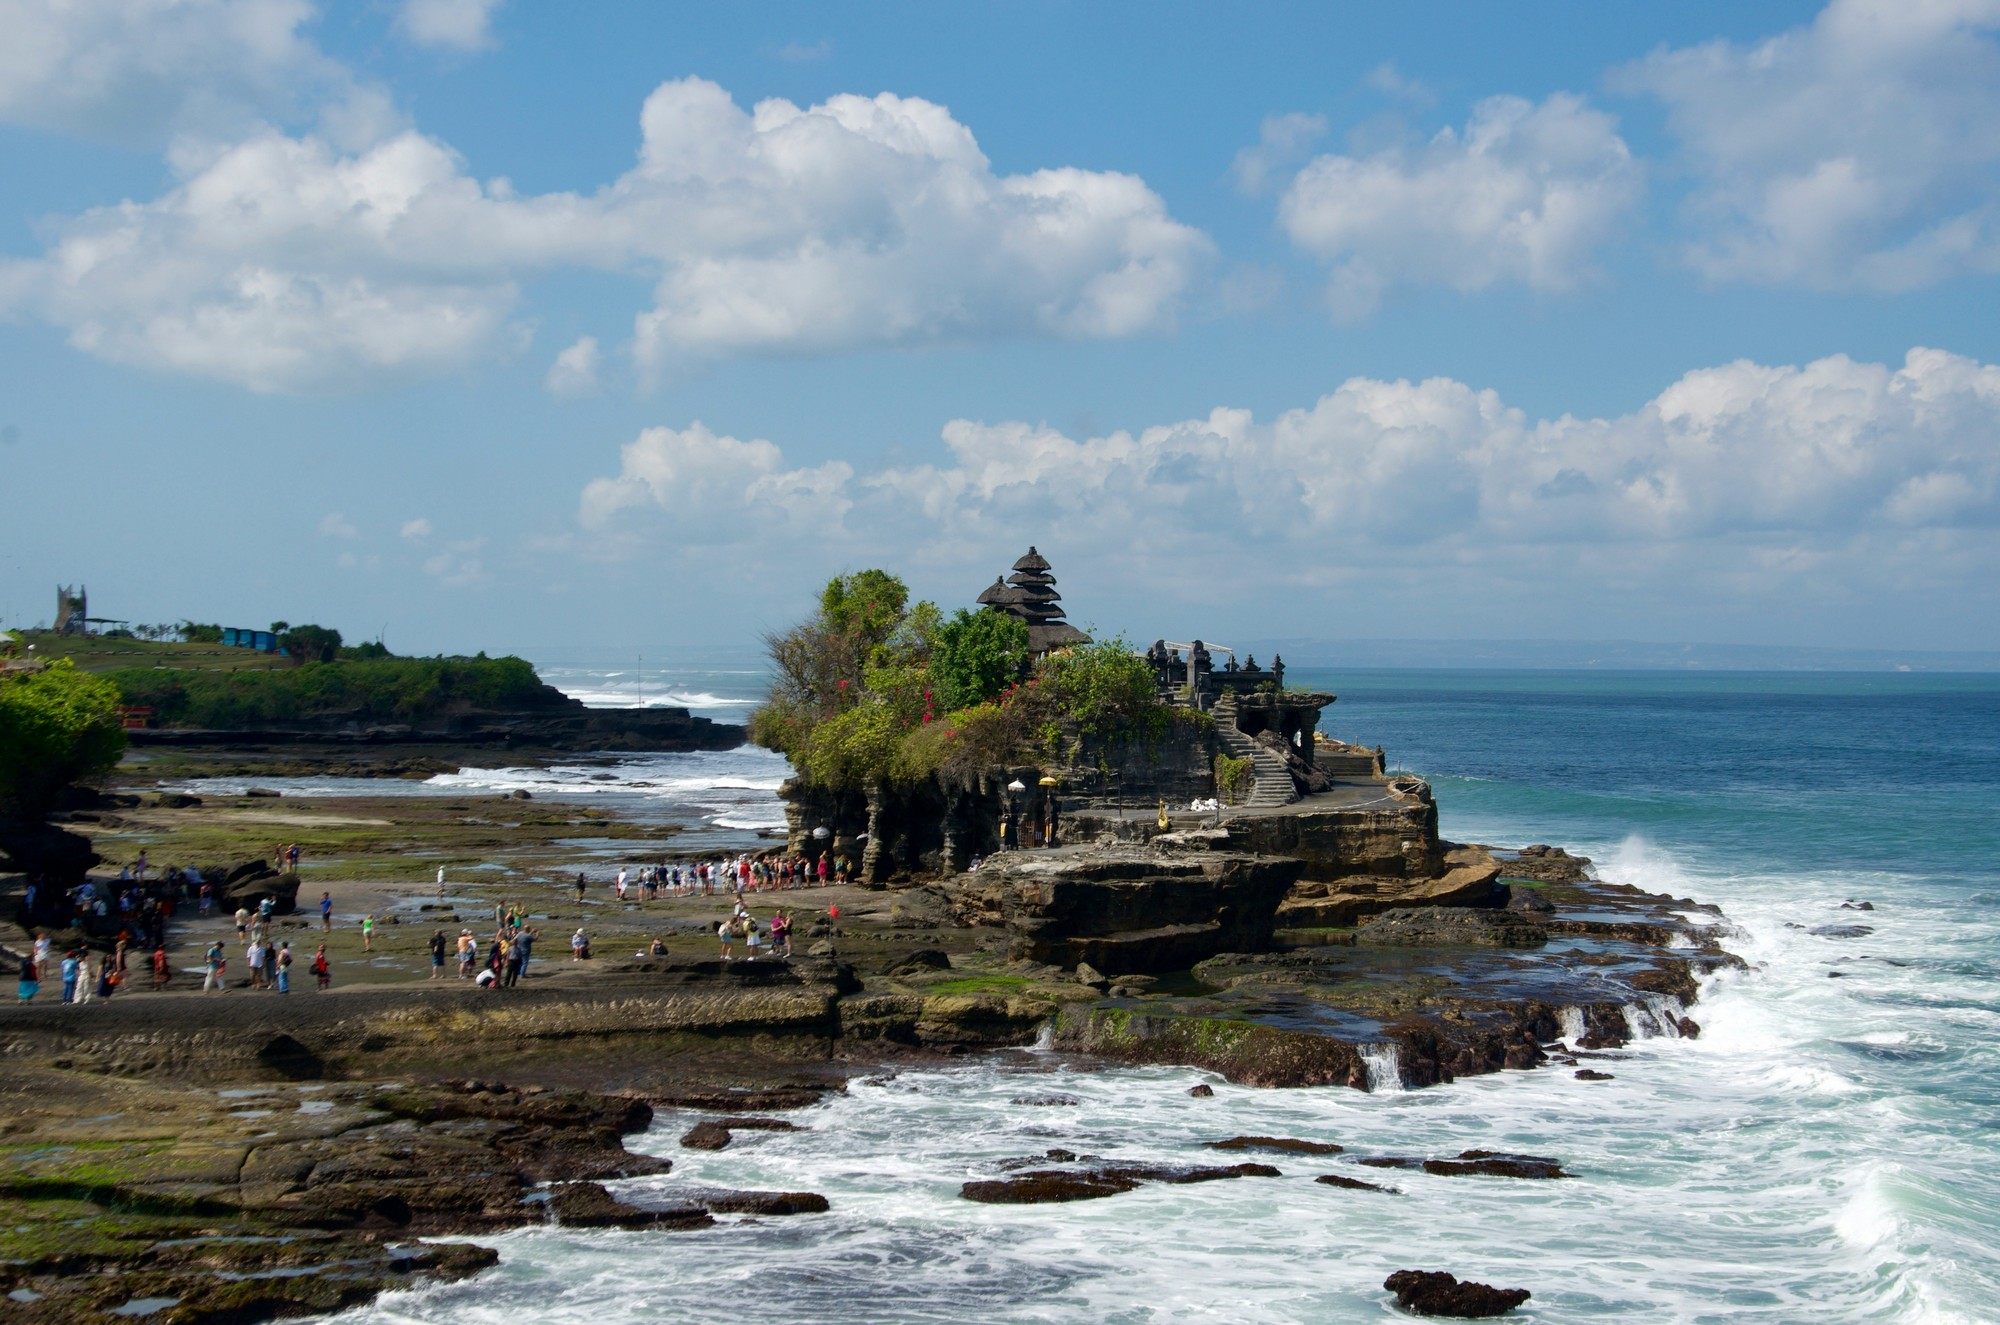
x: 1120, y: 859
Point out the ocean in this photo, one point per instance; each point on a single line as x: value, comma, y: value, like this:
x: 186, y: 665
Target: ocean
x: 1828, y: 1150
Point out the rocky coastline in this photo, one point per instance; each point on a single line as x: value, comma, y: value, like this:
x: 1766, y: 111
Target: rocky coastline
x: 241, y: 1157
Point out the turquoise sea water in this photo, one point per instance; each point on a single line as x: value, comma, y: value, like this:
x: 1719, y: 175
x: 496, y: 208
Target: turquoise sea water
x: 1827, y: 1151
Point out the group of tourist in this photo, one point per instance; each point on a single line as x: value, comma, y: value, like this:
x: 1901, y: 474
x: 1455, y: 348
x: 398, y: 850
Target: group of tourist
x: 269, y: 964
x: 133, y: 906
x: 507, y: 953
x: 85, y: 975
x: 739, y: 874
x: 742, y: 926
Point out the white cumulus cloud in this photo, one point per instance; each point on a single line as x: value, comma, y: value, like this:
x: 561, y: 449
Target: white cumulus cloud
x: 282, y: 264
x: 1281, y: 141
x: 875, y: 221
x: 1859, y: 150
x: 142, y: 70
x: 574, y: 373
x: 703, y: 476
x: 335, y: 525
x: 462, y: 25
x: 285, y: 263
x: 417, y: 529
x: 1525, y: 195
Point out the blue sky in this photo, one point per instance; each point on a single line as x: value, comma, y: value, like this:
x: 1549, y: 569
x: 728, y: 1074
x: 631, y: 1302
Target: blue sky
x: 483, y: 325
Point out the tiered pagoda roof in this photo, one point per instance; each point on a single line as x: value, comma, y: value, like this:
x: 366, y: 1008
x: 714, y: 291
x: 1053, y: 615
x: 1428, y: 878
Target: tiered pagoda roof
x: 1030, y: 595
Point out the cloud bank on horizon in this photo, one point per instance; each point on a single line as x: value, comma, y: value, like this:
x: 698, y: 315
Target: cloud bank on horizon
x: 1751, y: 470
x: 315, y: 235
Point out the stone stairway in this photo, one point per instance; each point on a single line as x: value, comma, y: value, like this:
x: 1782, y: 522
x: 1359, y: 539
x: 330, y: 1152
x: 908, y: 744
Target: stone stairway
x: 1273, y: 776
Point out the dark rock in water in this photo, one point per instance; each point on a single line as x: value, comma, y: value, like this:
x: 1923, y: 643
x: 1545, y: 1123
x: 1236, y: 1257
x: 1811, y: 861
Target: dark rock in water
x: 261, y: 793
x: 1689, y: 1028
x: 523, y: 794
x: 1435, y: 1293
x: 766, y: 1203
x: 1182, y: 1173
x: 1045, y: 1187
x: 1283, y: 1143
x: 1836, y: 975
x: 1053, y: 1156
x: 739, y: 1101
x: 587, y: 1205
x: 178, y: 800
x: 1353, y: 1184
x: 1048, y: 1101
x: 1452, y: 926
x: 1547, y: 864
x: 758, y: 1125
x: 706, y: 1136
x: 1496, y: 1164
x: 1592, y: 1074
x: 1849, y: 905
x: 1527, y: 899
x: 1842, y: 931
x: 716, y: 1134
x: 924, y: 959
x: 1471, y: 1163
x: 1201, y: 1092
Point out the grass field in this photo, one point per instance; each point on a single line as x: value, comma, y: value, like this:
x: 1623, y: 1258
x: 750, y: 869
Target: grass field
x: 100, y: 653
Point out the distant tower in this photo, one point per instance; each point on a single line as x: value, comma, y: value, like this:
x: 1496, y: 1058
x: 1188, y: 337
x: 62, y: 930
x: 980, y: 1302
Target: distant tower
x: 72, y: 608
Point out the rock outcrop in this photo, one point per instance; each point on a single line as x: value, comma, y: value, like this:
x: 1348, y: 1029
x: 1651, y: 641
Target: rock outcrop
x: 1435, y: 1293
x: 1125, y: 910
x: 1469, y: 878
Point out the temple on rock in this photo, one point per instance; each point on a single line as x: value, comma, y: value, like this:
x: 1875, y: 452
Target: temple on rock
x: 1029, y: 594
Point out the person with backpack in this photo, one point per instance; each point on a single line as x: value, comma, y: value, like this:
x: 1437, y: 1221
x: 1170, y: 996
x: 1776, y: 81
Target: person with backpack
x: 214, y: 964
x: 321, y: 969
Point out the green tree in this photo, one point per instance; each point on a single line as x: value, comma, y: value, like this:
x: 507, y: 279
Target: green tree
x: 57, y: 726
x: 866, y: 606
x: 976, y: 655
x: 819, y: 665
x: 311, y: 643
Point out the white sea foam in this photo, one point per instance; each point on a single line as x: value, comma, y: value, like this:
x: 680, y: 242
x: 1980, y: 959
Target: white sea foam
x: 731, y: 789
x: 1384, y: 1064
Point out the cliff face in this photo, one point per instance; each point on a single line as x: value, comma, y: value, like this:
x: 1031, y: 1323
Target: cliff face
x: 1125, y: 910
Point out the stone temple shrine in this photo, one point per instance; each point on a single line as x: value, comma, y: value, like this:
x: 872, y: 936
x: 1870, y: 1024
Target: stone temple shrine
x: 1029, y: 594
